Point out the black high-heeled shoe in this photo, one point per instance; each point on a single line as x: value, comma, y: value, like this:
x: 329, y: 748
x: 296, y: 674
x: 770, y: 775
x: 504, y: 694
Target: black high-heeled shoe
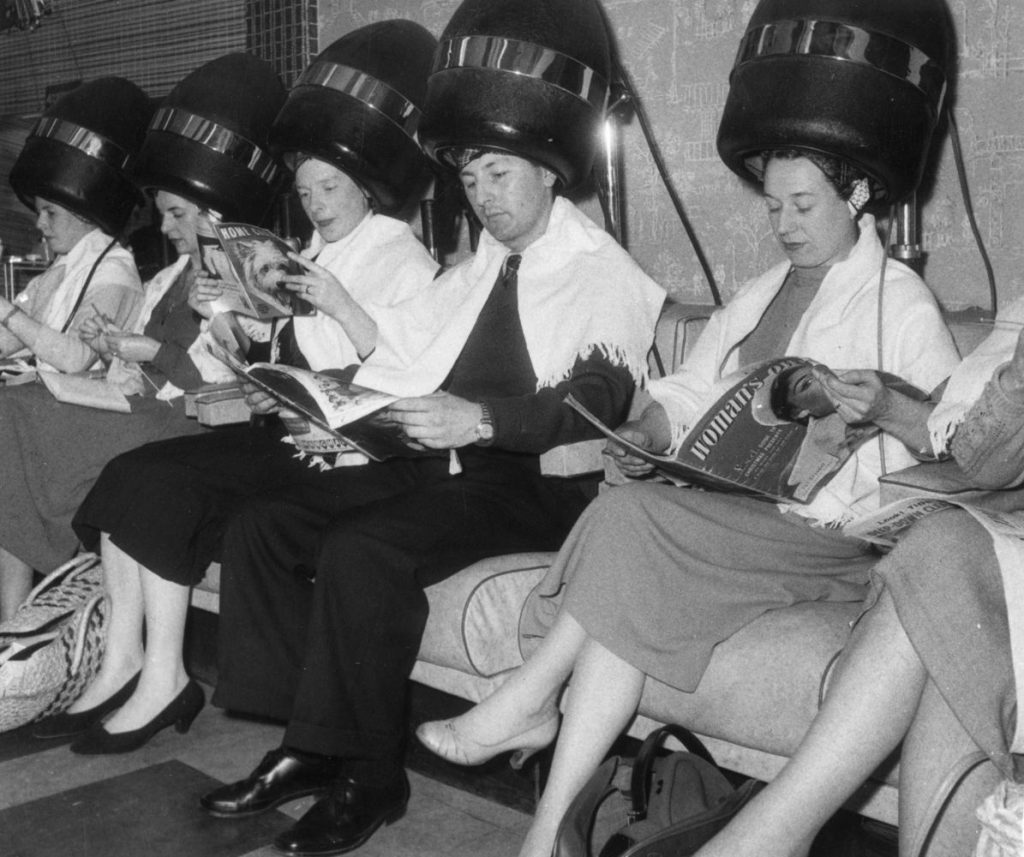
x: 66, y: 724
x: 180, y: 712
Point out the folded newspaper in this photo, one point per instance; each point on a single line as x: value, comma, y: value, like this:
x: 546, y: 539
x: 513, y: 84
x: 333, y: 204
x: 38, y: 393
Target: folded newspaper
x: 916, y: 492
x: 757, y: 438
x: 329, y: 414
x: 251, y: 263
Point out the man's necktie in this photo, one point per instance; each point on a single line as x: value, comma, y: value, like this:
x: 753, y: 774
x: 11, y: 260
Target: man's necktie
x: 510, y: 270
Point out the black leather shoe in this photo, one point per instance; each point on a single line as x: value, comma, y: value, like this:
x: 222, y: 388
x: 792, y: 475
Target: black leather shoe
x: 65, y: 724
x: 179, y: 713
x: 345, y: 818
x: 279, y: 778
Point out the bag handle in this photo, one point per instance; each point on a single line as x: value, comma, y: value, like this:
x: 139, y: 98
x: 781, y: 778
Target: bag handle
x: 573, y: 838
x: 640, y: 781
x: 957, y: 774
x: 85, y: 287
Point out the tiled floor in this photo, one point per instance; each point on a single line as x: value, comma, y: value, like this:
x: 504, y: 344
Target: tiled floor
x: 53, y: 802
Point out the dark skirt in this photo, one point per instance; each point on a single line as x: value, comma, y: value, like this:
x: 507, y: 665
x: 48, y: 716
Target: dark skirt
x: 51, y: 454
x: 166, y: 504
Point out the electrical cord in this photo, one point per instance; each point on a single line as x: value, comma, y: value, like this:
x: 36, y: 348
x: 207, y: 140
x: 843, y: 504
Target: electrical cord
x: 965, y: 192
x: 879, y: 318
x: 652, y: 145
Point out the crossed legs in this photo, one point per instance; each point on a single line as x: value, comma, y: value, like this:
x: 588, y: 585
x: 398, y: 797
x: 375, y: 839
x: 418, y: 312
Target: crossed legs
x: 881, y: 693
x: 602, y: 698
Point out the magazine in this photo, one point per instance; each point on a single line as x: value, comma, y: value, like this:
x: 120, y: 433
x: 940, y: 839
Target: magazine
x: 916, y: 492
x: 89, y: 390
x: 251, y: 262
x: 741, y: 445
x: 329, y: 414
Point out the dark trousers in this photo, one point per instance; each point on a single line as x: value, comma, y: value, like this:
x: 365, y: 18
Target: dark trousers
x: 332, y: 654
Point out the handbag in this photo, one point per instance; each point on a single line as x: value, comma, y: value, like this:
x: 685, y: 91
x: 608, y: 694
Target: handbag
x: 53, y: 645
x: 664, y: 805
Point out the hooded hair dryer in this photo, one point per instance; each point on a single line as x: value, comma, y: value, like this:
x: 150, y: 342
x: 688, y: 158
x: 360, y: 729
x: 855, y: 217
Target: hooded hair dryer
x: 863, y: 82
x: 529, y: 77
x: 80, y: 153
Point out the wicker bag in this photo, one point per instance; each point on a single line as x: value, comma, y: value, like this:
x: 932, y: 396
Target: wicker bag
x: 52, y: 647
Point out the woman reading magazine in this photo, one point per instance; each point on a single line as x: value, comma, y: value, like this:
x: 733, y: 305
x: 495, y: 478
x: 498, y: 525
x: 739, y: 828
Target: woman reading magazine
x: 364, y: 260
x: 654, y: 576
x: 934, y: 661
x: 53, y: 451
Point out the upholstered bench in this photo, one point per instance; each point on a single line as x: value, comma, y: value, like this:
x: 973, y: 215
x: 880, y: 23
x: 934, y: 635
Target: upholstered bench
x: 762, y: 687
x: 756, y: 700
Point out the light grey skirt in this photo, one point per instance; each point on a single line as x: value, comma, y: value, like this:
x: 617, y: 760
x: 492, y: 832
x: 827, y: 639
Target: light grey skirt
x: 660, y: 575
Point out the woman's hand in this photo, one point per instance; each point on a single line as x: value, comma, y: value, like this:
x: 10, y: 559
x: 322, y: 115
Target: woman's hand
x: 652, y: 432
x: 94, y: 331
x: 438, y: 421
x: 631, y: 465
x: 132, y: 347
x: 859, y: 395
x: 318, y: 286
x: 326, y: 292
x: 862, y: 397
x: 203, y: 291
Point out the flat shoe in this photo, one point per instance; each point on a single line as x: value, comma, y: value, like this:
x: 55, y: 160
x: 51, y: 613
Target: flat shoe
x: 281, y: 777
x: 347, y: 816
x: 66, y: 724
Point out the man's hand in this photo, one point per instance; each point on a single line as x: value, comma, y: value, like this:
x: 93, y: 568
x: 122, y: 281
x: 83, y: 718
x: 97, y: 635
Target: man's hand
x: 438, y: 421
x: 258, y: 401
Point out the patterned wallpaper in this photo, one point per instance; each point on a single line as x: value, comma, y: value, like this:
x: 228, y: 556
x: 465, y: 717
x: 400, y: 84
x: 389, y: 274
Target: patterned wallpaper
x: 679, y: 53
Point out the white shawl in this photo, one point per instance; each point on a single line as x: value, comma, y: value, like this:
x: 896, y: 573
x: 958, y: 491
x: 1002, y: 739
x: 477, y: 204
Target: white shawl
x: 50, y: 297
x: 839, y: 330
x: 579, y: 293
x: 967, y: 382
x: 66, y: 277
x: 381, y: 264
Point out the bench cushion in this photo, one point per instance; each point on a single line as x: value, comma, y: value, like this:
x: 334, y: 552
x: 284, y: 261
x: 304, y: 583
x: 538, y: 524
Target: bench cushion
x: 474, y: 615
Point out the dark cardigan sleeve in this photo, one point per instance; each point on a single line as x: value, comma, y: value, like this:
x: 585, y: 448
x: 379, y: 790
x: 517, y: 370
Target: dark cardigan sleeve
x: 537, y: 422
x: 176, y: 333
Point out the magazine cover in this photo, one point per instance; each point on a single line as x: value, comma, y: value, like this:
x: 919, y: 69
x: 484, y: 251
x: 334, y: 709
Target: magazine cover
x: 772, y: 434
x: 326, y: 408
x: 251, y: 261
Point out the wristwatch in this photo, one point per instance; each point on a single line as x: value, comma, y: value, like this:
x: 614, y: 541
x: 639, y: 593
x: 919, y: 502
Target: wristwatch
x: 484, y: 430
